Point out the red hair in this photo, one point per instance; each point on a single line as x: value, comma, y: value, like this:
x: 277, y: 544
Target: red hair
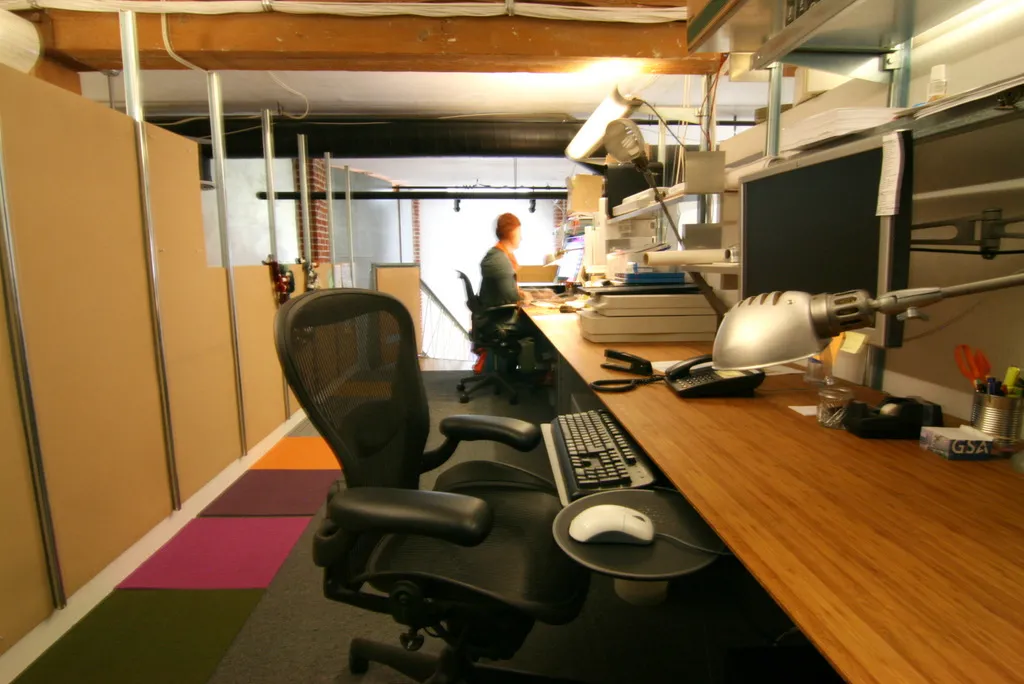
x: 506, y: 224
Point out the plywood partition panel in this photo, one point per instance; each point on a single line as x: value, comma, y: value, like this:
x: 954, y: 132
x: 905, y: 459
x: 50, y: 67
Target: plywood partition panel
x: 196, y: 323
x: 261, y: 373
x: 403, y: 283
x: 24, y: 587
x: 75, y: 214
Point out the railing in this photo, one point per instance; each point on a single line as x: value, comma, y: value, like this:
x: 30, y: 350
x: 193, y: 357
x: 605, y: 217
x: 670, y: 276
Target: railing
x: 444, y: 337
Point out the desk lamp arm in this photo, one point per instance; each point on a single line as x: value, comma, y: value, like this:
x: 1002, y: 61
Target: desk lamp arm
x: 834, y: 313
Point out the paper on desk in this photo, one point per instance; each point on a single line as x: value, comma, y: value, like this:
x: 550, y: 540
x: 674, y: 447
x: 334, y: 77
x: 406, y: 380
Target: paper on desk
x: 805, y: 410
x: 545, y: 304
x: 892, y: 175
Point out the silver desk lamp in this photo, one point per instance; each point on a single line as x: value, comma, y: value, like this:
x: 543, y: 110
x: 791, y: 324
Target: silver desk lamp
x: 780, y: 327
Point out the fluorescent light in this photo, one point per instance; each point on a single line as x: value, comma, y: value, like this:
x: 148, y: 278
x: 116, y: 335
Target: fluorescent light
x: 590, y: 136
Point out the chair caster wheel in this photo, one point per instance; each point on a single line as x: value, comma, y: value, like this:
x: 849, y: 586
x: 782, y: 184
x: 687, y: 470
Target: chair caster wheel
x: 513, y: 400
x: 461, y: 387
x: 357, y: 665
x: 464, y: 399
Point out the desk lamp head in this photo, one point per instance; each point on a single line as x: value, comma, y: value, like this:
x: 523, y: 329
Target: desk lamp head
x: 780, y: 327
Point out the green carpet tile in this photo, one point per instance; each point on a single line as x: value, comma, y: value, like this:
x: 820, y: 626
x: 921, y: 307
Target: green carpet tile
x: 140, y: 636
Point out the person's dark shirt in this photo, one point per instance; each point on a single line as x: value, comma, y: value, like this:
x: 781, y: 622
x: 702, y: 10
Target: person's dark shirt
x: 498, y: 280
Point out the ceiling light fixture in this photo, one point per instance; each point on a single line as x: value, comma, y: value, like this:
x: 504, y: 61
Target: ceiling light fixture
x: 591, y: 134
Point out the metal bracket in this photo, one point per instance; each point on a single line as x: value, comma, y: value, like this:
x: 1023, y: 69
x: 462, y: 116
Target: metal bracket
x: 985, y: 232
x: 859, y: 65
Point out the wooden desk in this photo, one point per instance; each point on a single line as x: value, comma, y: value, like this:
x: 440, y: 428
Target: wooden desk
x: 898, y: 565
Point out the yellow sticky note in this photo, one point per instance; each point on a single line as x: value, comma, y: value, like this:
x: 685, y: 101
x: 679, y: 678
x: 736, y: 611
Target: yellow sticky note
x: 854, y: 342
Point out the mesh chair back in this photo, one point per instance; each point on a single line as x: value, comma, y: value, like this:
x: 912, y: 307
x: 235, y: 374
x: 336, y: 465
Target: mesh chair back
x: 350, y: 357
x: 472, y: 300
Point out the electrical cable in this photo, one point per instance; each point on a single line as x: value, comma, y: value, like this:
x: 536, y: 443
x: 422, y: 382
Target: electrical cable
x: 964, y: 313
x: 630, y: 15
x: 688, y: 546
x: 165, y: 32
x: 293, y: 91
x: 662, y: 120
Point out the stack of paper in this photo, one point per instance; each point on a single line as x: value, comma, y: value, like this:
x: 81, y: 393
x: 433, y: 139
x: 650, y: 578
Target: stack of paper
x: 834, y: 124
x: 693, y: 325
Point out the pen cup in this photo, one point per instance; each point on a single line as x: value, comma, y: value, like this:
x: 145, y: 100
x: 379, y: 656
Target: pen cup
x: 1000, y: 417
x: 832, y: 405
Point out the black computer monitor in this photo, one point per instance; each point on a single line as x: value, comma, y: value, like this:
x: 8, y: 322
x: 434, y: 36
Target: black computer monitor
x: 810, y: 224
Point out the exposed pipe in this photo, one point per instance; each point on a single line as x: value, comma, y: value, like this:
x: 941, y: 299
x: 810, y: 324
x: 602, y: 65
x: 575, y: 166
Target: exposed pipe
x: 26, y: 401
x: 220, y: 181
x: 133, y: 108
x: 773, y: 124
x: 307, y: 248
x: 376, y: 138
x: 402, y: 194
x: 329, y: 203
x: 267, y: 126
x: 351, y: 227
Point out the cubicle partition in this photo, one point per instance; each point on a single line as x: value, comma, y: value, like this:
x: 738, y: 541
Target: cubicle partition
x: 71, y: 182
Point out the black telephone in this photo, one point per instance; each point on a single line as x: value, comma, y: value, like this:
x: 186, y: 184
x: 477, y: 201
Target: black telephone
x: 690, y: 383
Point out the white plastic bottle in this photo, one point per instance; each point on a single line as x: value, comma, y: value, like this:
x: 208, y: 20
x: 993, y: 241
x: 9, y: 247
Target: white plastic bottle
x: 937, y: 83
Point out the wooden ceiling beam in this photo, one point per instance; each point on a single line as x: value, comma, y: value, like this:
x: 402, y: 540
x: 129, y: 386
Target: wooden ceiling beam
x: 263, y: 42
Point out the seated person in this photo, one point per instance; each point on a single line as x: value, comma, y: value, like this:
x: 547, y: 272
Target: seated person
x: 498, y: 284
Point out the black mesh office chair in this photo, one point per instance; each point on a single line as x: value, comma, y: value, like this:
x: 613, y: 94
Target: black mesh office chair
x: 473, y: 561
x: 491, y: 330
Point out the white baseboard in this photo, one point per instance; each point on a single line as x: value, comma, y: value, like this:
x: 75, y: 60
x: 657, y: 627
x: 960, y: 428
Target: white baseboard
x: 33, y: 644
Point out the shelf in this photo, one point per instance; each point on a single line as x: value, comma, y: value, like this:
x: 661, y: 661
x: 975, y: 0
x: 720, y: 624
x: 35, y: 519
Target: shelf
x: 649, y: 209
x: 722, y: 267
x: 857, y: 26
x: 829, y: 29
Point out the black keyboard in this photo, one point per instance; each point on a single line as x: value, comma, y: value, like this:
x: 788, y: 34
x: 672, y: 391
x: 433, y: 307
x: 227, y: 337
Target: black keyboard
x: 595, y: 454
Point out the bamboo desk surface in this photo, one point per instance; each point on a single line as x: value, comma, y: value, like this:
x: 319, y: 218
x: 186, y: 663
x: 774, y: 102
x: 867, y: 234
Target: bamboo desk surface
x: 899, y: 565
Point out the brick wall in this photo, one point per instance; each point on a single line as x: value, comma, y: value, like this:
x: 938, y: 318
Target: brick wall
x: 320, y: 237
x: 559, y: 214
x: 416, y: 231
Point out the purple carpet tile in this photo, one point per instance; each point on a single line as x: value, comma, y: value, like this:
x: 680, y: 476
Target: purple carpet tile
x: 275, y: 492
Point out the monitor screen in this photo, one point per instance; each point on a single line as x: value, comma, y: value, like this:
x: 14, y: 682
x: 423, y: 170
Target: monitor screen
x: 569, y: 264
x: 811, y: 225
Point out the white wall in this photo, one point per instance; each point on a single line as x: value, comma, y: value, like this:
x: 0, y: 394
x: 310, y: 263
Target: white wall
x: 376, y: 235
x: 451, y: 241
x: 248, y: 222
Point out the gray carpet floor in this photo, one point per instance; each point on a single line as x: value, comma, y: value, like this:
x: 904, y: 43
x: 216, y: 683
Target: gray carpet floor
x: 296, y: 635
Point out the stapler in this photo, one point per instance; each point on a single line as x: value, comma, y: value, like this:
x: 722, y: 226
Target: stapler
x: 637, y: 365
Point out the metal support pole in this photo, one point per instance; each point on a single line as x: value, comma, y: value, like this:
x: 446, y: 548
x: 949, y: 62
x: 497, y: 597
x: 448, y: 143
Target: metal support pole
x: 899, y: 64
x: 307, y: 248
x: 706, y: 125
x: 351, y: 228
x: 133, y: 107
x: 267, y: 122
x: 220, y: 181
x: 401, y: 255
x: 774, y: 122
x: 23, y: 381
x: 268, y: 161
x: 329, y: 189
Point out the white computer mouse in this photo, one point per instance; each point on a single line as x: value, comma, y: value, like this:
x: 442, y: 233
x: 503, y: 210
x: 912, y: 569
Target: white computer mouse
x: 611, y: 524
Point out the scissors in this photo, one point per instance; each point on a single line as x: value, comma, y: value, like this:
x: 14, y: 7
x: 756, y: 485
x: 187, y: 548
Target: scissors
x: 973, y: 364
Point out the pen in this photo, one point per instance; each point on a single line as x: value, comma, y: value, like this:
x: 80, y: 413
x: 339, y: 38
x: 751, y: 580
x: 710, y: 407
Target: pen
x: 993, y: 386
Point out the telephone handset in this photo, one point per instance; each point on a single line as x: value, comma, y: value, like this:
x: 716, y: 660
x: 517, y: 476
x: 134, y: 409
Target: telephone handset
x: 689, y: 382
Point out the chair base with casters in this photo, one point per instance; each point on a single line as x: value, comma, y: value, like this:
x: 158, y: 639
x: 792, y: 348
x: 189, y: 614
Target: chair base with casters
x: 445, y: 668
x: 497, y: 378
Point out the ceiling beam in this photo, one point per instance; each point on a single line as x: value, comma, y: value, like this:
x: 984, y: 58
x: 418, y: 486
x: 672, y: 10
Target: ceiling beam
x: 284, y: 42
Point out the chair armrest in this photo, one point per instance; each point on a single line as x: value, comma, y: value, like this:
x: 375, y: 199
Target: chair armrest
x: 518, y: 434
x: 457, y: 518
